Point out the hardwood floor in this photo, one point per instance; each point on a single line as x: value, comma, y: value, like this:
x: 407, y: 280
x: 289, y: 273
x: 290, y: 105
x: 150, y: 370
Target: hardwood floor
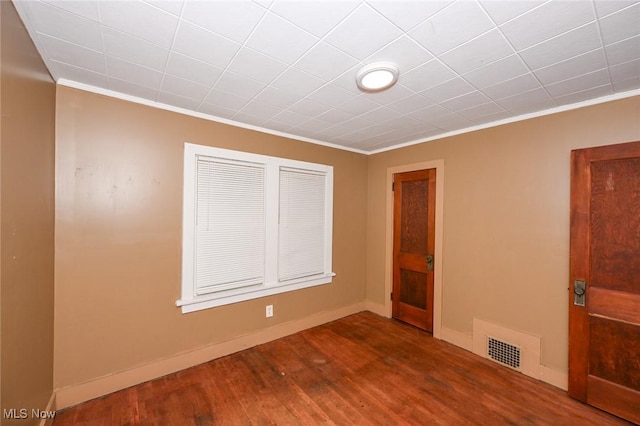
x: 359, y: 370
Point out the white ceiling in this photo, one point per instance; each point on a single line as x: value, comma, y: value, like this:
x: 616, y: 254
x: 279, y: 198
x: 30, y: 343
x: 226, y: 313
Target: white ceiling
x: 289, y: 66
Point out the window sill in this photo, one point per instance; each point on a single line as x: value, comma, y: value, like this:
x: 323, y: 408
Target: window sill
x: 228, y: 297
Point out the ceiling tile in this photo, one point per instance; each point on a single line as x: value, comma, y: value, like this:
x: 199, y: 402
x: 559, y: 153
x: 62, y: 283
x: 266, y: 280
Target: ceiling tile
x: 316, y: 16
x: 381, y: 114
x: 331, y: 95
x: 428, y: 75
x: 298, y: 82
x: 191, y: 69
x: 516, y: 85
x: 448, y: 90
x: 410, y: 103
x: 88, y: 9
x: 626, y: 85
x: 132, y: 73
x: 311, y: 125
x: 247, y: 60
x: 605, y: 7
x: 240, y: 85
x: 504, y: 69
x: 568, y: 45
x: 197, y: 43
x: 347, y: 80
x: 407, y: 14
x: 481, y: 111
x: 132, y: 89
x: 628, y: 70
x: 72, y: 54
x: 172, y: 6
x: 404, y: 52
x: 465, y: 101
x: 547, y: 21
x: 578, y: 84
x: 386, y: 97
x: 480, y: 51
x: 216, y: 110
x: 621, y: 25
x: 533, y: 100
x: 232, y: 19
x: 132, y: 49
x: 139, y: 19
x: 308, y: 107
x: 260, y: 110
x: 65, y: 25
x: 80, y: 75
x: 184, y: 88
x: 503, y: 11
x: 273, y: 33
x: 276, y: 97
x: 290, y: 117
x: 596, y: 92
x: 335, y: 116
x: 623, y: 51
x: 325, y: 61
x: 452, y: 26
x: 179, y: 101
x: 256, y: 65
x: 225, y: 99
x: 358, y: 105
x: 578, y: 65
x: 362, y: 33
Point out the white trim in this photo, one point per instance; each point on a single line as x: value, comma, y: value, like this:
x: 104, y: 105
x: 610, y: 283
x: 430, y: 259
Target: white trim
x: 81, y: 392
x: 51, y: 407
x: 160, y: 105
x: 376, y: 308
x: 522, y: 117
x: 559, y: 379
x: 439, y: 233
x: 461, y: 340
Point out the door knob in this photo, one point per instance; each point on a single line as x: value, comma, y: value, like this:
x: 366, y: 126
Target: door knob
x: 579, y: 292
x: 429, y: 262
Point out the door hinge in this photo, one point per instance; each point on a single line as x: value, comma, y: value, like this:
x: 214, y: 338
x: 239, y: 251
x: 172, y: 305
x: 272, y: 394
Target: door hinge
x: 393, y: 186
x: 391, y: 296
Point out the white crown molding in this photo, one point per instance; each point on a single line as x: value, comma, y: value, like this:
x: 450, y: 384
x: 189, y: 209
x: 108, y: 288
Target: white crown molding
x: 160, y: 105
x: 522, y: 117
x: 147, y: 102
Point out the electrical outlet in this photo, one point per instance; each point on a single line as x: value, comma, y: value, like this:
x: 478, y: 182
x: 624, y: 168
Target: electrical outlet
x: 269, y: 311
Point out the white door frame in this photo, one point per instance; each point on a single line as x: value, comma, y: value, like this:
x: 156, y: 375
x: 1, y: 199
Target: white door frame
x: 388, y: 269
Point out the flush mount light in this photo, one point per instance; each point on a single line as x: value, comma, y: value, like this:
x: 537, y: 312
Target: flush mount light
x: 377, y: 76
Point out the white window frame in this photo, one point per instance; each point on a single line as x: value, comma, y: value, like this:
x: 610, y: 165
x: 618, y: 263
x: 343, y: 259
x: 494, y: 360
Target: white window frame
x: 190, y: 301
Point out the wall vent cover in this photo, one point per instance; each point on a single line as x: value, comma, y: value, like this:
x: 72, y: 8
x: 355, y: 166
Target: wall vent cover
x: 504, y: 353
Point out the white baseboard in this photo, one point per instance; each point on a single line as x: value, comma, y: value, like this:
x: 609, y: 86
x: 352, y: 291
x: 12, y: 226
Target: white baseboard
x: 376, y: 308
x: 559, y: 379
x: 457, y: 338
x: 76, y: 394
x: 51, y: 407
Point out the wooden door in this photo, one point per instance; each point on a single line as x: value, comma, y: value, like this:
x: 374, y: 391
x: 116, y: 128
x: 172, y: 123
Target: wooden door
x: 413, y: 246
x: 604, y: 334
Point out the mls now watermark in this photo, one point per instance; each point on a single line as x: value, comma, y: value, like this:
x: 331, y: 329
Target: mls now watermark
x: 23, y: 413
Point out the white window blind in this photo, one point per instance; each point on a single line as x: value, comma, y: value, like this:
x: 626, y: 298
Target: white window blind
x: 230, y: 225
x: 302, y: 224
x: 253, y: 226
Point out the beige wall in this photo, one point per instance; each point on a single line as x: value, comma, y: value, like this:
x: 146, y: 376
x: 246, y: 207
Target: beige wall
x: 506, y: 219
x: 26, y: 213
x: 118, y: 236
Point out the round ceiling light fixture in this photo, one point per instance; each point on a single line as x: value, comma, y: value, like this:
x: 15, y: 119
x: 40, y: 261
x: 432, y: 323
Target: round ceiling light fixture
x: 377, y: 76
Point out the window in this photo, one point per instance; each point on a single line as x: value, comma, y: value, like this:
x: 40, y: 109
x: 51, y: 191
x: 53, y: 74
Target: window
x: 253, y: 226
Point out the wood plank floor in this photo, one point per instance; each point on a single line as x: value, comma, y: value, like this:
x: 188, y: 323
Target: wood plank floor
x: 359, y: 370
